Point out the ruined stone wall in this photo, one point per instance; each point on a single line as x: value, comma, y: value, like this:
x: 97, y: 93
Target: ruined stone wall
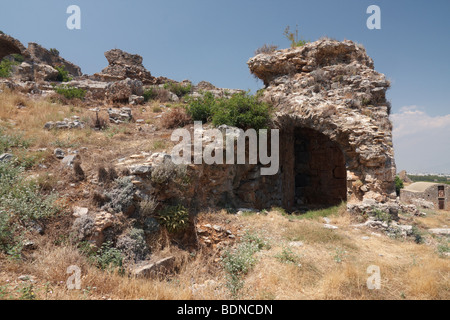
x: 331, y: 87
x: 432, y: 194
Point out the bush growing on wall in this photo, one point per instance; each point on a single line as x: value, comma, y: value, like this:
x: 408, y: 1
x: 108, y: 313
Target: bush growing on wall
x: 241, y: 110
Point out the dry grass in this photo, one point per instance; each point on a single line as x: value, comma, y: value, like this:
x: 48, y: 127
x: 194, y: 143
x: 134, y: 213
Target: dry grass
x: 331, y: 264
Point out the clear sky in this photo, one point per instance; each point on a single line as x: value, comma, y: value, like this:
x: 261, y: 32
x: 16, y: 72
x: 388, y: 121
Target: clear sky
x: 212, y: 40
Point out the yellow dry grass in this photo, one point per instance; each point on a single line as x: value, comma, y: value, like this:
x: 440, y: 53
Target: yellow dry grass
x: 331, y: 264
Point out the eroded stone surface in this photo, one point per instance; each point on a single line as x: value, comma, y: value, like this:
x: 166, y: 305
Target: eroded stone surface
x: 331, y: 87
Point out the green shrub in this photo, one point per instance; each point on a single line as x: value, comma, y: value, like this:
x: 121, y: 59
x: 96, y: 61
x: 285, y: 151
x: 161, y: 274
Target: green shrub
x: 71, y: 92
x: 287, y: 256
x: 6, y: 67
x: 63, y: 74
x: 150, y: 94
x: 237, y: 263
x: 54, y: 52
x: 241, y: 110
x: 109, y: 258
x: 8, y: 141
x: 174, y: 218
x: 179, y: 89
x: 417, y: 235
x: 18, y: 57
x: 382, y: 216
x: 21, y: 204
x: 398, y: 185
x: 201, y: 109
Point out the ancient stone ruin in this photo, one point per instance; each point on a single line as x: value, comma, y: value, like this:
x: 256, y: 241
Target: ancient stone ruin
x: 123, y: 65
x: 333, y: 116
x: 335, y: 138
x: 427, y: 195
x: 330, y: 107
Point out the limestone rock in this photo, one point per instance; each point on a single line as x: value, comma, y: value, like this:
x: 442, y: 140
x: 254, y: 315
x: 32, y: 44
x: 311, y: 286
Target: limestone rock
x: 123, y: 65
x: 69, y: 160
x: 152, y: 269
x: 331, y: 87
x: 119, y: 115
x: 80, y: 211
x: 440, y: 231
x: 5, y: 157
x: 121, y: 91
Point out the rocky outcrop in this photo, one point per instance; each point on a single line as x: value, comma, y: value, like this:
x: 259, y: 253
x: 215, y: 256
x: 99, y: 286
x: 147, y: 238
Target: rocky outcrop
x: 39, y: 63
x: 9, y: 45
x: 331, y: 87
x: 123, y: 65
x: 41, y: 55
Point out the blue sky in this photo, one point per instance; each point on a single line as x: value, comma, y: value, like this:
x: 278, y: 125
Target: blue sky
x: 212, y: 40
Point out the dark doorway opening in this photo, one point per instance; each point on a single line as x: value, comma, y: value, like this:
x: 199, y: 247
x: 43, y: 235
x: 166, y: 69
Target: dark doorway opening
x: 441, y: 204
x: 320, y: 172
x: 441, y: 197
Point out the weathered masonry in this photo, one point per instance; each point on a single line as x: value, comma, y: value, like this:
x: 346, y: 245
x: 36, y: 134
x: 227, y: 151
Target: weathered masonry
x: 335, y: 132
x: 438, y: 194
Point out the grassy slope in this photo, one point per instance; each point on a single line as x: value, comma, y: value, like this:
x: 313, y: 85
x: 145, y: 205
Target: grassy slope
x: 331, y: 264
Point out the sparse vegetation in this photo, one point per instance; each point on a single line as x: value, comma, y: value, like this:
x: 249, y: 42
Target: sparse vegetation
x: 70, y: 92
x: 21, y: 206
x: 175, y: 218
x: 237, y: 263
x: 12, y: 141
x: 175, y: 118
x: 398, y: 185
x: 168, y: 171
x: 287, y: 256
x: 178, y: 88
x: 6, y: 67
x: 54, y: 52
x: 63, y: 74
x: 108, y: 258
x: 266, y: 49
x: 293, y: 37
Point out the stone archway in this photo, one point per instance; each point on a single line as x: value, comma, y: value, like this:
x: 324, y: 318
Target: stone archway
x: 319, y: 170
x: 313, y: 169
x: 9, y: 45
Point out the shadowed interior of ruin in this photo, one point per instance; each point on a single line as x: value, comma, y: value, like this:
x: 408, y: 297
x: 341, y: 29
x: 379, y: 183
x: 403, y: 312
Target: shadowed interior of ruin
x: 319, y: 170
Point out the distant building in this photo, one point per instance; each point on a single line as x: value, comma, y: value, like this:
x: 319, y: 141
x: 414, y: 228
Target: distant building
x: 438, y: 194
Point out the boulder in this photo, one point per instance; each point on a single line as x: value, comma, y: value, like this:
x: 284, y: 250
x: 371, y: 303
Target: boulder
x: 162, y: 266
x: 6, y: 157
x: 121, y: 91
x: 69, y: 160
